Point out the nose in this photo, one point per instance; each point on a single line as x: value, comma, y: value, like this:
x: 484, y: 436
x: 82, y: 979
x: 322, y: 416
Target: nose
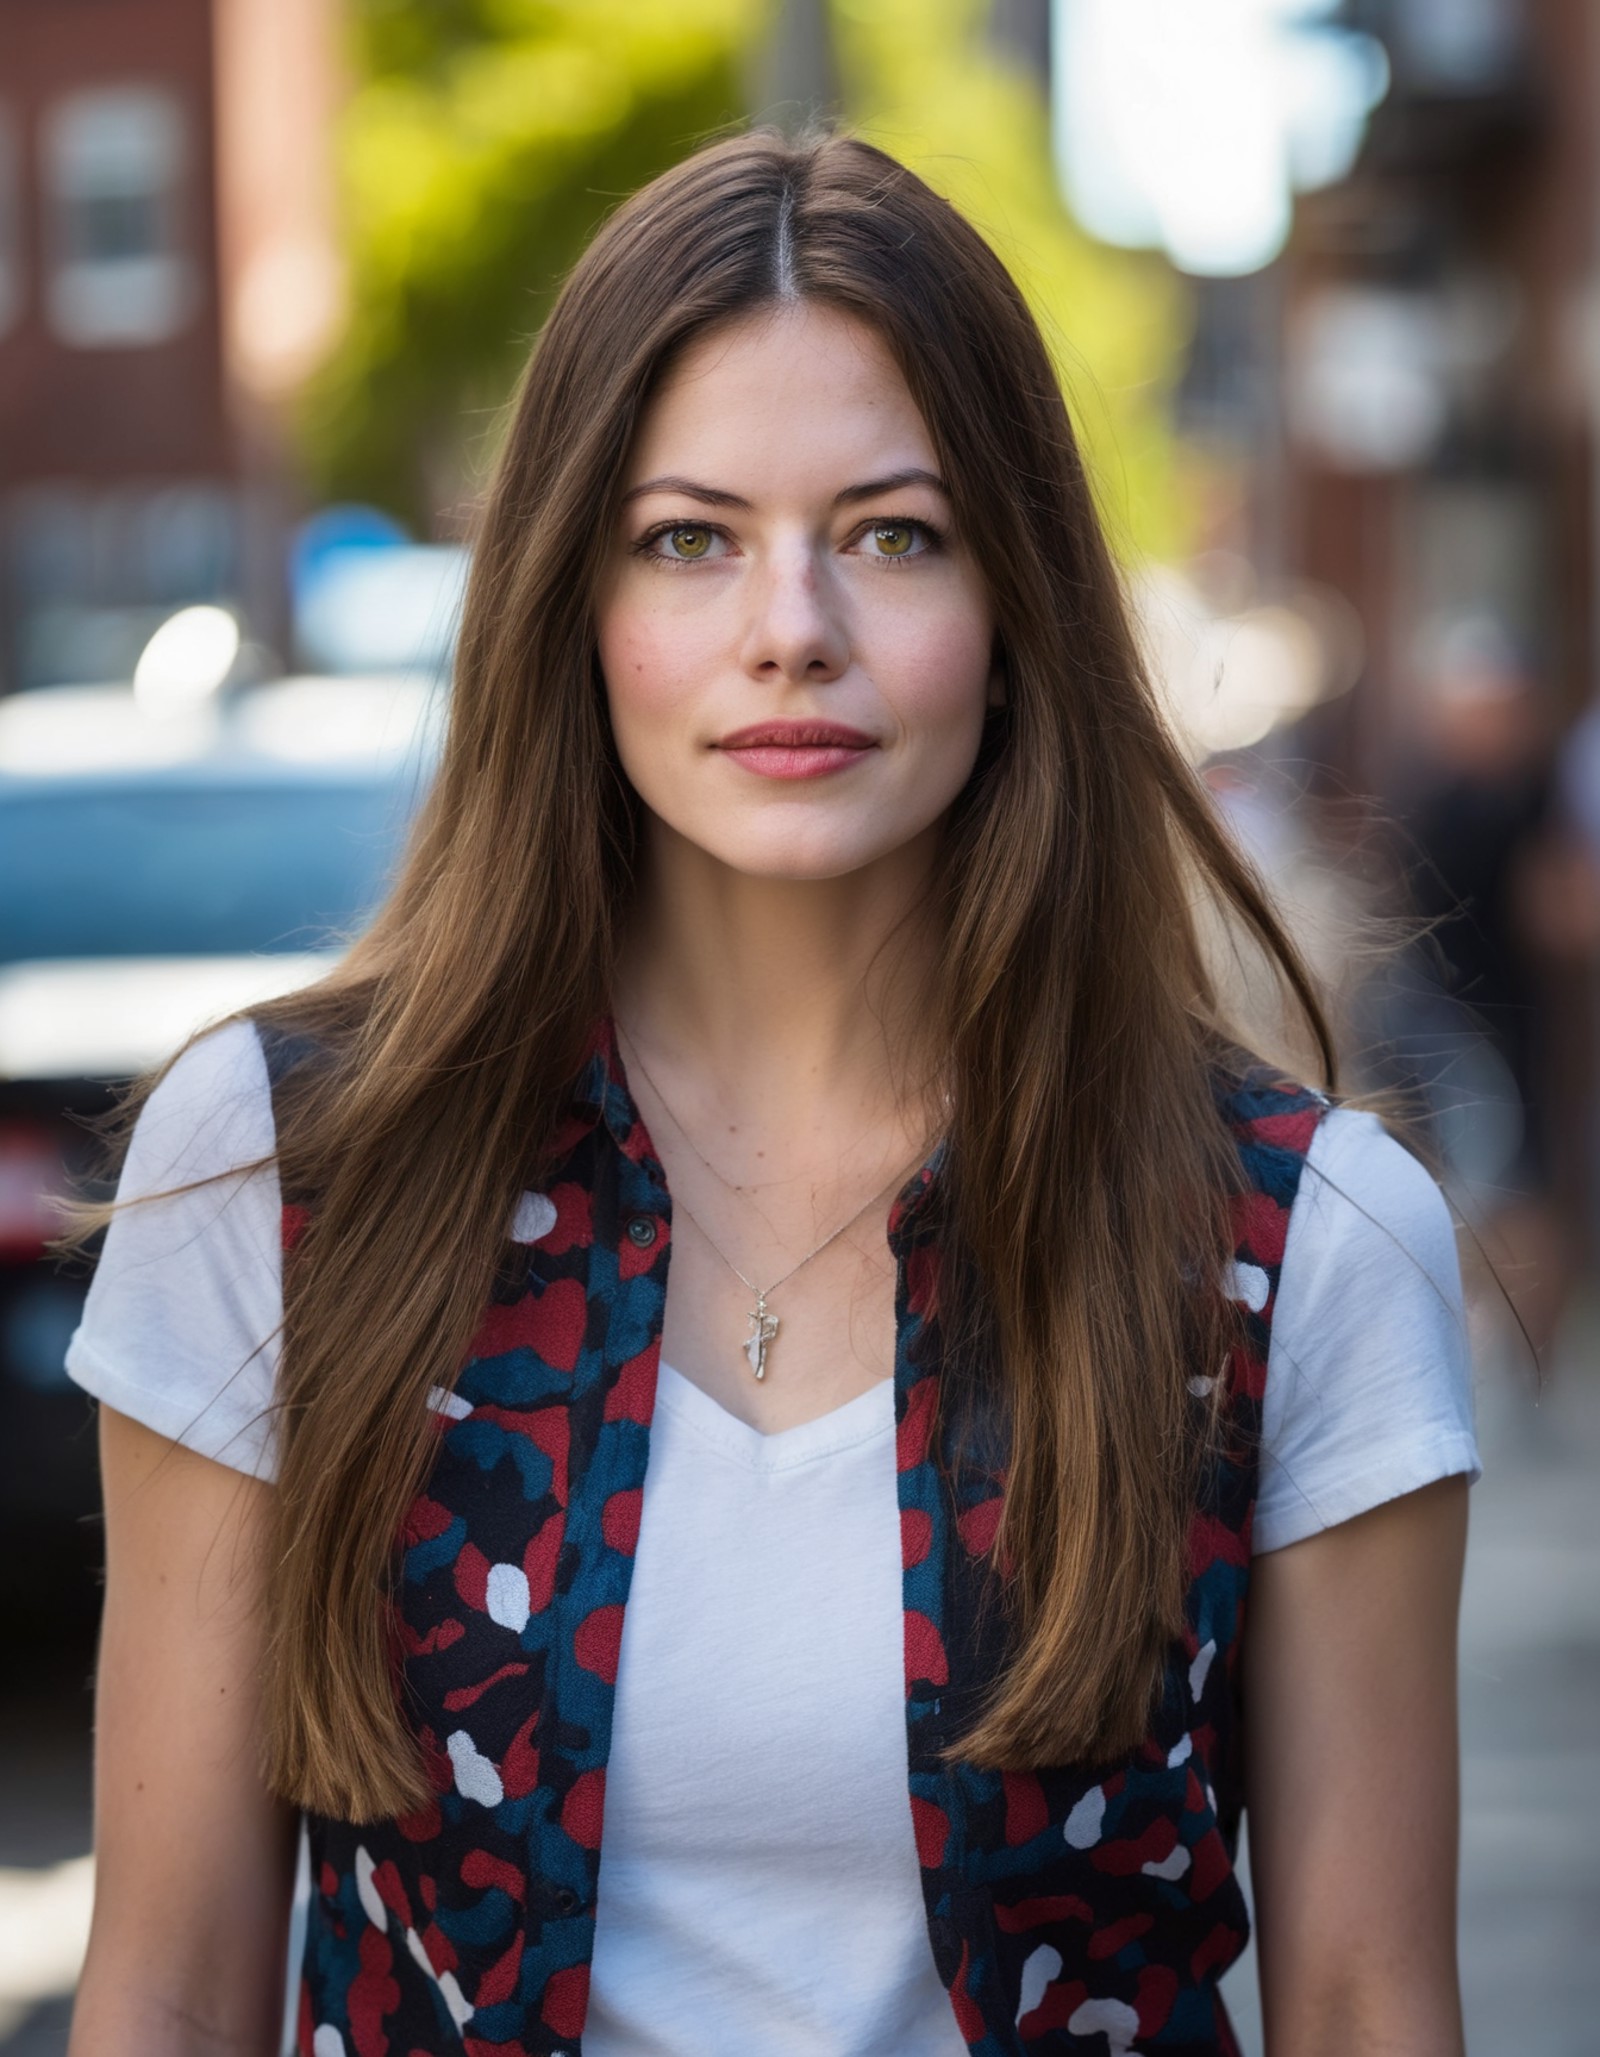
x: 795, y: 630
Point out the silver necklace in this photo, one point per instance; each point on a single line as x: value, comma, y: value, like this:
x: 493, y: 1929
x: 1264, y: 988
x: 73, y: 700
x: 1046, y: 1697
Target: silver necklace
x: 763, y: 1326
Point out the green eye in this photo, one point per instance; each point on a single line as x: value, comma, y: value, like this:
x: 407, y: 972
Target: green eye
x: 894, y: 538
x: 689, y: 542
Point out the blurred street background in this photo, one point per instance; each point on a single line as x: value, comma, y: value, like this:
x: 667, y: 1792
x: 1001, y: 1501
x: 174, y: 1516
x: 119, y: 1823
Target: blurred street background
x: 1323, y: 282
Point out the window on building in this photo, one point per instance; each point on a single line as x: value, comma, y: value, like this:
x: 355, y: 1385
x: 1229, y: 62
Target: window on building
x: 10, y: 225
x: 115, y: 162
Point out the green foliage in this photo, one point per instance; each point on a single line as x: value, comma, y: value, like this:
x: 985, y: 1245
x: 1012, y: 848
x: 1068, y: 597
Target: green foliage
x: 486, y: 139
x: 484, y: 142
x: 923, y: 82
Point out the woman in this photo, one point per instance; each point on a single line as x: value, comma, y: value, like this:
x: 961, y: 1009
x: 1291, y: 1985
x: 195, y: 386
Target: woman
x: 809, y: 890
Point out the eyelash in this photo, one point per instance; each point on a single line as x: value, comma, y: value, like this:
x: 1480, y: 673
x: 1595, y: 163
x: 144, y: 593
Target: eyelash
x: 933, y: 539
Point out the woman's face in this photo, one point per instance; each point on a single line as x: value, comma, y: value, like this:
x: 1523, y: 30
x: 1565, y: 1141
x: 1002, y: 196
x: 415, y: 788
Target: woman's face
x: 796, y: 644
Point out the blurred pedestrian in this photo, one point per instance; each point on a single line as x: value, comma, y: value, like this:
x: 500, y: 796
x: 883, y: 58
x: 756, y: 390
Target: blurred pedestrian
x: 870, y: 1597
x: 1481, y: 833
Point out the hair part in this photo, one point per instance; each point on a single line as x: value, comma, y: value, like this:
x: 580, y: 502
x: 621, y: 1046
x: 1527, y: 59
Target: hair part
x: 783, y: 279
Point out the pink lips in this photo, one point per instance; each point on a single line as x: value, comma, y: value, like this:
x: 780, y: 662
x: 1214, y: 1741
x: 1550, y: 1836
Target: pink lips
x: 796, y: 749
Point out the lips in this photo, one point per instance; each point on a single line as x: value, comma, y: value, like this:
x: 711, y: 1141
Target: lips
x: 797, y: 735
x: 796, y: 749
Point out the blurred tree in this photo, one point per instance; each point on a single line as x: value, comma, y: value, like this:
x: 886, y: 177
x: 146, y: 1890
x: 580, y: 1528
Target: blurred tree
x: 483, y: 142
x: 485, y: 139
x: 926, y: 81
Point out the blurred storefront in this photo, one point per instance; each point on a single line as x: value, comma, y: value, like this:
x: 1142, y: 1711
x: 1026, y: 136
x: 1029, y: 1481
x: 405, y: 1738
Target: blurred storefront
x: 168, y: 273
x: 1437, y: 445
x: 1439, y: 386
x: 1386, y: 211
x: 1401, y: 406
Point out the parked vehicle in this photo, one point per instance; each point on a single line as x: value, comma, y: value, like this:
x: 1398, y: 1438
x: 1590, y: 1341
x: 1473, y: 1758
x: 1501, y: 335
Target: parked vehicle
x: 154, y: 876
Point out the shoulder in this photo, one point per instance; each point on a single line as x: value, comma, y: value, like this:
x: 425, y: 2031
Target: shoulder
x: 1366, y: 1198
x: 1369, y: 1374
x: 210, y: 1114
x: 180, y: 1325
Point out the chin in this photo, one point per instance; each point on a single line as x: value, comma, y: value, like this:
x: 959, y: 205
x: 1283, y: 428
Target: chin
x: 796, y: 855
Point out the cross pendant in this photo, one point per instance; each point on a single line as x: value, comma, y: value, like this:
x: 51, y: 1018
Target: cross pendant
x: 763, y: 1327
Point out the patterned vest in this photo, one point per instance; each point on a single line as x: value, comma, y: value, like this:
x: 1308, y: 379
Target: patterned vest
x: 1084, y: 1909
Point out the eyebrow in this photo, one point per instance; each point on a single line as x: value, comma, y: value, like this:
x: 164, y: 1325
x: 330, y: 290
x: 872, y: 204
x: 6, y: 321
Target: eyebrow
x: 715, y: 496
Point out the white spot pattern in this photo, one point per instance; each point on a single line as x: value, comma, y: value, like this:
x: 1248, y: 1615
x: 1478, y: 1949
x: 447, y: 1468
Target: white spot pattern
x: 1180, y: 1753
x: 506, y: 1596
x: 535, y: 1216
x: 1043, y: 1966
x: 1173, y: 1865
x: 1249, y: 1283
x: 476, y: 1777
x: 456, y: 2000
x: 1200, y: 1670
x: 327, y: 2042
x: 460, y: 2007
x: 448, y: 1403
x: 1113, y: 2019
x: 1083, y: 1823
x: 368, y: 1894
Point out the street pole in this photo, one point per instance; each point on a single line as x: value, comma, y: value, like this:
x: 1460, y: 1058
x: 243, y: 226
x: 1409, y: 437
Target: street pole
x: 794, y: 79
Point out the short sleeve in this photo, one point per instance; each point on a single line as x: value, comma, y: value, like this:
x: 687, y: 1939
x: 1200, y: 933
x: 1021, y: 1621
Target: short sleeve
x: 180, y: 1327
x: 1369, y: 1388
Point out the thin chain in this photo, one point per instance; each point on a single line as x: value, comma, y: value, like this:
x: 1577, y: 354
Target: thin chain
x: 764, y: 1292
x: 761, y: 1292
x: 639, y: 1064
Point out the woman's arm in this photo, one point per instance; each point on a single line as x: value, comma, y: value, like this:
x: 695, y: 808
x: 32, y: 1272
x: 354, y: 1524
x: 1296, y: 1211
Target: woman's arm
x: 194, y: 1858
x: 1352, y: 1781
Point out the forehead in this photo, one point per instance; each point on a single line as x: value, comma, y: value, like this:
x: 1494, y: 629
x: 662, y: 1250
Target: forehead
x: 789, y: 393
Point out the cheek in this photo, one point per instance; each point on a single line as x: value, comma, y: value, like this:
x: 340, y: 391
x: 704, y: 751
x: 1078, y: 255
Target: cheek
x: 936, y: 679
x: 647, y: 665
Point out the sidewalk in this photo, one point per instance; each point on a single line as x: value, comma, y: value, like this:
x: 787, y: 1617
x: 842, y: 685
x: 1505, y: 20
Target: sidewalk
x: 1530, y: 1704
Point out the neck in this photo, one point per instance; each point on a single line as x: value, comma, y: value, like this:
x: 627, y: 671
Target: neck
x: 780, y: 987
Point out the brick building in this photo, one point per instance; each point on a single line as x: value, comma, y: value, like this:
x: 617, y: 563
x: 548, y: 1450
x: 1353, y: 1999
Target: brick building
x: 167, y: 274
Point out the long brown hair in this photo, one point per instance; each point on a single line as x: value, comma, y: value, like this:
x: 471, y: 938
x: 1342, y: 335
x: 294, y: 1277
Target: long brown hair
x: 1088, y: 1168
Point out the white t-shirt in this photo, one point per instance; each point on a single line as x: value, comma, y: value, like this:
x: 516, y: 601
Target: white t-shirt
x: 758, y: 1748
x: 759, y: 1888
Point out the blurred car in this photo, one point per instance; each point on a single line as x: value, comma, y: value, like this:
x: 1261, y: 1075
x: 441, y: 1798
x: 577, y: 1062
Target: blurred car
x: 155, y: 875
